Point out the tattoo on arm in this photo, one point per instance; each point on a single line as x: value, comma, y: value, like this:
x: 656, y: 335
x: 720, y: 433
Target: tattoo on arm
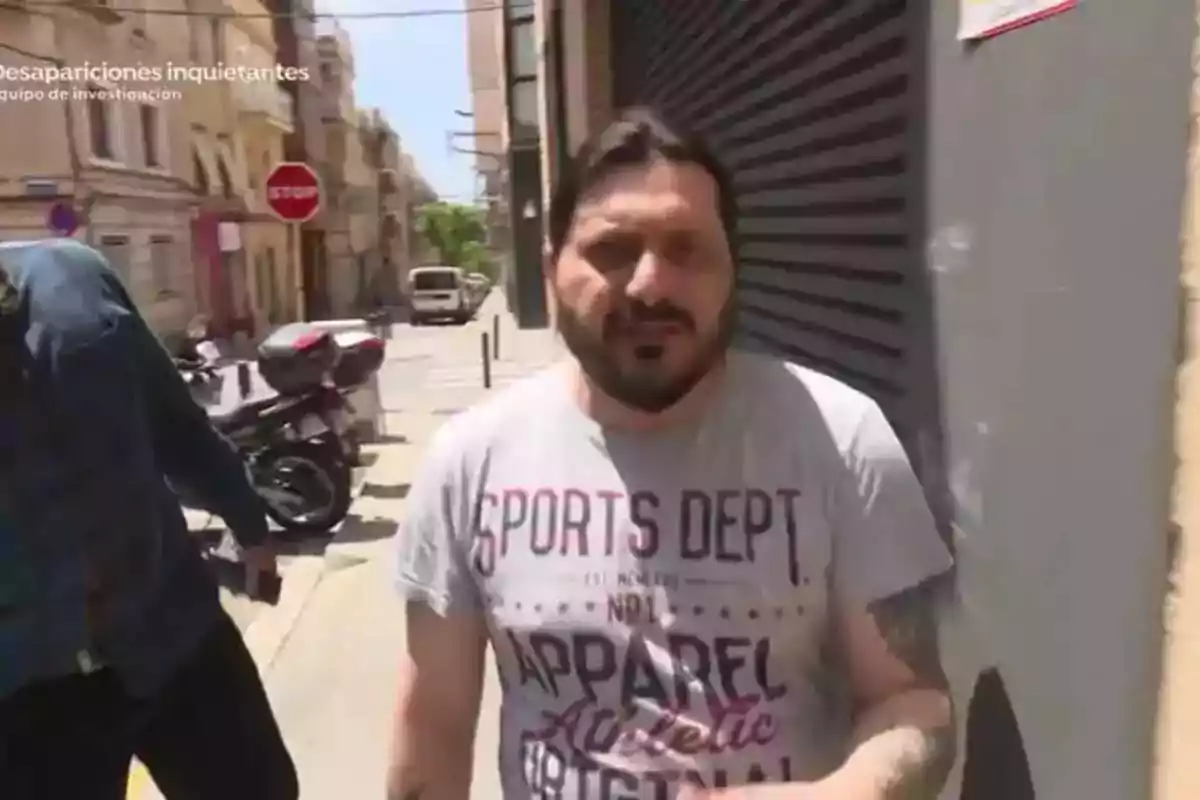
x: 908, y: 623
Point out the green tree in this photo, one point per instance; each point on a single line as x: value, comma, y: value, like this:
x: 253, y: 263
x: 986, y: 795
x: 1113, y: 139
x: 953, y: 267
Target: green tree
x: 477, y: 258
x: 458, y: 234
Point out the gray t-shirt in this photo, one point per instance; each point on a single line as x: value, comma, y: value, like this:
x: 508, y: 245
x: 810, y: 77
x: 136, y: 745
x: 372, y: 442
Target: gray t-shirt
x: 658, y: 602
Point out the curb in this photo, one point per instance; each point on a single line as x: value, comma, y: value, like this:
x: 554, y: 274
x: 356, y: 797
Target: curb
x: 266, y: 635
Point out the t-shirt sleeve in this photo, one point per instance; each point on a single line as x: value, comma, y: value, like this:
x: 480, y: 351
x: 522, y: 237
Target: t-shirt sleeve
x: 431, y: 562
x: 885, y: 538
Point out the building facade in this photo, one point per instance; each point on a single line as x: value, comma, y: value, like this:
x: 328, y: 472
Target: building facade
x: 394, y: 211
x: 218, y: 257
x: 265, y: 116
x: 487, y: 137
x: 296, y: 42
x: 119, y: 165
x: 1176, y: 776
x: 372, y: 189
x: 417, y: 192
x: 350, y: 190
x: 920, y: 219
x: 527, y: 132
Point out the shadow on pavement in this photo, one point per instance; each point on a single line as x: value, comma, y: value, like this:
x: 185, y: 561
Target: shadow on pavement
x: 220, y: 541
x: 386, y: 491
x: 391, y: 438
x: 294, y: 544
x: 357, y: 529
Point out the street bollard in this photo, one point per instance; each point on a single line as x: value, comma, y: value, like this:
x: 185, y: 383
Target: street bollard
x: 487, y: 361
x: 496, y: 337
x: 243, y: 377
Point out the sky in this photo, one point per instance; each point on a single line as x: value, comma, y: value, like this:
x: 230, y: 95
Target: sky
x: 414, y: 69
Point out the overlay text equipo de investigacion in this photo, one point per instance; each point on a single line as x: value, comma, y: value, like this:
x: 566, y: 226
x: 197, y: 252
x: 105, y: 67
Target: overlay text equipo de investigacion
x: 143, y: 73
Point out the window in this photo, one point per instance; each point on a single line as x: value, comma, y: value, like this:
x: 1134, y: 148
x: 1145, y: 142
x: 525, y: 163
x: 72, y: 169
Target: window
x: 524, y: 50
x: 200, y: 174
x: 116, y: 252
x: 275, y: 312
x: 517, y: 9
x: 326, y: 71
x: 524, y: 109
x: 433, y: 281
x: 226, y: 179
x: 100, y: 123
x: 218, y: 39
x: 148, y: 117
x: 162, y: 257
x: 194, y: 29
x: 137, y: 17
x: 260, y: 281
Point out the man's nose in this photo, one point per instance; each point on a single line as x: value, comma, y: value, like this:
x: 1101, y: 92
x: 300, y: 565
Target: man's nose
x: 651, y: 279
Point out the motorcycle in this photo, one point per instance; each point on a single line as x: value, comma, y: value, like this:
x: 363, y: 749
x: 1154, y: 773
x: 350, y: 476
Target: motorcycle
x: 298, y: 445
x: 294, y: 457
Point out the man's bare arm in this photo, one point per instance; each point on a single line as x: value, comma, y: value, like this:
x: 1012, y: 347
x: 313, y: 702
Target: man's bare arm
x: 441, y: 683
x: 904, y: 744
x: 904, y: 741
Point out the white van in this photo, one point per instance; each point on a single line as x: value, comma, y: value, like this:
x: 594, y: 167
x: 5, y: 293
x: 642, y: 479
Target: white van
x: 439, y: 293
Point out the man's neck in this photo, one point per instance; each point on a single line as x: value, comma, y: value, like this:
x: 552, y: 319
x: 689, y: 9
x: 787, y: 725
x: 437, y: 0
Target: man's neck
x: 612, y: 413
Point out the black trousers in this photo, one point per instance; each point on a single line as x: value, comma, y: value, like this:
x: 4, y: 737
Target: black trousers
x: 208, y: 734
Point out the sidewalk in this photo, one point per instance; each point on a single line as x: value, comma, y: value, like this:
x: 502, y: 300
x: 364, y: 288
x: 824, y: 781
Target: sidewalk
x: 329, y: 651
x: 333, y: 683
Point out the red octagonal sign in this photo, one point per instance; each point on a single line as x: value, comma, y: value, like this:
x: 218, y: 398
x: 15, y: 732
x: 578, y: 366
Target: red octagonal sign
x: 293, y: 191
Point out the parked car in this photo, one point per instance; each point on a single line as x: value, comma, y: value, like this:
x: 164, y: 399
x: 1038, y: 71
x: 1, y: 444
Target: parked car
x: 440, y: 293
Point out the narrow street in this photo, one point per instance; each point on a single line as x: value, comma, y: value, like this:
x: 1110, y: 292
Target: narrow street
x: 329, y: 649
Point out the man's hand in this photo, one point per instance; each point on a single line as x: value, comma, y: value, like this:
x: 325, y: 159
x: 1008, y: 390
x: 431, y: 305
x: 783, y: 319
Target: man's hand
x: 258, y: 560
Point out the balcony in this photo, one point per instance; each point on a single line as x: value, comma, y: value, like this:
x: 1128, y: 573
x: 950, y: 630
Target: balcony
x: 265, y: 103
x: 389, y: 182
x: 102, y: 10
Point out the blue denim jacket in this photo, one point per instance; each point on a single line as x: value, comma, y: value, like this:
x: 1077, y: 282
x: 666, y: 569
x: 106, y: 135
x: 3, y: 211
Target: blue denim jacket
x: 96, y: 563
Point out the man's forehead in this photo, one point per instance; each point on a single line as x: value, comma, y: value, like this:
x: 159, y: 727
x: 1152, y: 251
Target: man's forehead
x: 681, y: 194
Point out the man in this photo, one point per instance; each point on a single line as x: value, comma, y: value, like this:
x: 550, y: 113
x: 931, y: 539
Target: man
x: 112, y: 639
x: 703, y: 572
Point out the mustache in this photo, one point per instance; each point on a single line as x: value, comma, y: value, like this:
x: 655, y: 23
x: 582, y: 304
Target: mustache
x: 638, y: 312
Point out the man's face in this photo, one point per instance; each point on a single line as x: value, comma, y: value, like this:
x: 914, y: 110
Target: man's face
x: 644, y: 284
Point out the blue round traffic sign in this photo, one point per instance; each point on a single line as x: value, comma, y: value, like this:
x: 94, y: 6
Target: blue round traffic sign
x: 63, y: 219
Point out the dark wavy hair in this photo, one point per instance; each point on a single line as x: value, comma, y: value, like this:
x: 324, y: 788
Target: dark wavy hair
x: 637, y: 137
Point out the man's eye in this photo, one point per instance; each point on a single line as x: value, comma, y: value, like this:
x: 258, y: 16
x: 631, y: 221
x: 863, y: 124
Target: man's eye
x: 681, y: 250
x: 611, y: 254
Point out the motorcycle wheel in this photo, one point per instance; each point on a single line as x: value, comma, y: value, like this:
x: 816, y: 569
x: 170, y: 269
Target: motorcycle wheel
x: 317, y: 476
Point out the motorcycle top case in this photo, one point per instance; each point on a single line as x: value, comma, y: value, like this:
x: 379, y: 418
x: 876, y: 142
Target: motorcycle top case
x: 361, y: 357
x: 297, y: 358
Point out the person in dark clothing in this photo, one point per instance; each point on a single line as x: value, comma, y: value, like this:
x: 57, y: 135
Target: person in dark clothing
x: 113, y: 642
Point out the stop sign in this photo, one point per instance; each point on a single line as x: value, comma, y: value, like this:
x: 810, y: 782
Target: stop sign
x: 293, y: 191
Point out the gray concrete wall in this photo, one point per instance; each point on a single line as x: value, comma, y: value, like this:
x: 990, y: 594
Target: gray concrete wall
x: 1177, y: 775
x: 1056, y: 161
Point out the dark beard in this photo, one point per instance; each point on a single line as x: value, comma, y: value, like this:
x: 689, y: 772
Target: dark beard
x: 634, y: 391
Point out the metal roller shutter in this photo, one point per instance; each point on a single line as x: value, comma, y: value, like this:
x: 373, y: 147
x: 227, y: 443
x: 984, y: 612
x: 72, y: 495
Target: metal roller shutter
x: 811, y: 104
